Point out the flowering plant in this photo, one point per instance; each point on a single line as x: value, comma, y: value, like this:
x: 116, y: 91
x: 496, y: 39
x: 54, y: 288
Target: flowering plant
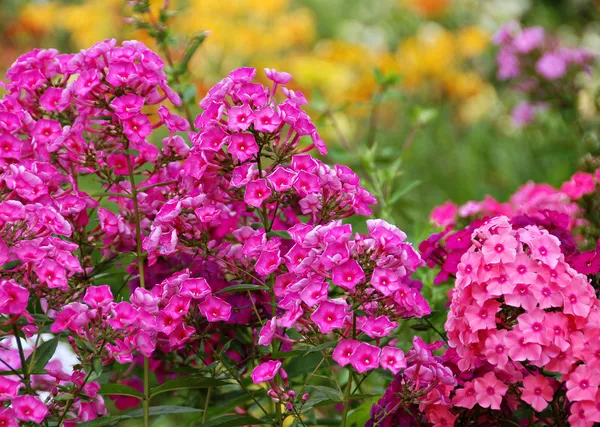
x: 232, y: 247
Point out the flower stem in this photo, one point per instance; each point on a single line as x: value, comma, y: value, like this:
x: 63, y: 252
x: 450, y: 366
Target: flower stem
x: 346, y: 401
x: 205, y: 414
x: 24, y: 367
x: 140, y: 260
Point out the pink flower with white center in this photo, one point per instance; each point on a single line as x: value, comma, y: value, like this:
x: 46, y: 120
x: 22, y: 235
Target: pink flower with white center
x: 240, y: 117
x: 29, y: 409
x: 122, y: 315
x: 365, y: 357
x: 137, y: 128
x: 281, y: 179
x: 13, y: 297
x: 215, y: 309
x: 212, y: 138
x: 378, y: 327
x: 267, y: 262
x: 120, y: 73
x: 257, y: 192
x: 267, y: 332
x: 242, y: 146
x: 167, y: 321
x: 51, y: 99
x: 348, y: 274
x: 329, y: 315
x: 118, y: 163
x: 343, y: 351
x: 465, y: 397
x: 392, y: 359
x: 523, y: 270
x: 46, y: 130
x: 500, y: 248
x: 489, y: 391
x: 8, y: 389
x: 386, y: 280
x: 537, y: 391
x: 127, y: 106
x: 10, y: 147
x: 482, y: 317
x: 266, y: 371
x: 496, y: 351
x: 195, y: 288
x: 519, y: 350
x: 306, y: 183
x: 548, y: 295
x: 266, y: 120
x: 557, y: 325
x: 98, y: 296
x: 582, y: 384
x: 178, y: 306
x: 578, y: 298
x: 180, y: 335
x: 546, y: 248
x: 314, y: 292
x: 468, y: 268
x: 7, y: 418
x: 532, y: 326
x: 522, y: 296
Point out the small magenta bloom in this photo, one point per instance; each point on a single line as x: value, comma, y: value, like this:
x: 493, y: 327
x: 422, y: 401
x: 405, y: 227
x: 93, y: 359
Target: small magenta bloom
x: 482, y: 317
x: 13, y: 298
x: 378, y: 327
x: 215, y: 309
x: 267, y: 332
x: 98, y: 296
x: 29, y: 409
x: 365, y: 357
x: 537, y: 391
x: 127, y: 106
x: 489, y: 391
x: 7, y: 418
x: 392, y: 359
x: 266, y: 371
x: 195, y: 288
x: 267, y: 262
x: 242, y: 146
x: 329, y: 315
x: 348, y: 274
x: 279, y: 77
x: 344, y: 351
x: 8, y: 389
x: 137, y: 128
x: 240, y: 118
x: 257, y: 192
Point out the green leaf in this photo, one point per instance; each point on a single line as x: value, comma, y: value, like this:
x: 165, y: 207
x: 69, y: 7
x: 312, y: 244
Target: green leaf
x: 38, y: 360
x: 379, y: 77
x: 279, y: 233
x: 242, y: 288
x: 121, y: 390
x: 163, y: 410
x: 420, y: 327
x: 186, y: 383
x: 334, y: 394
x: 139, y: 413
x: 403, y: 192
x: 233, y: 421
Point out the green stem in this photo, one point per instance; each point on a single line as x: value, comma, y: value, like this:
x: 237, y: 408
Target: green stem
x: 205, y: 414
x: 24, y: 367
x: 140, y: 260
x: 346, y: 401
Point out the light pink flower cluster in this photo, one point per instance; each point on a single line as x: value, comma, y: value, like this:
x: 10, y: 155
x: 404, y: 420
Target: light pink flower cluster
x: 520, y: 313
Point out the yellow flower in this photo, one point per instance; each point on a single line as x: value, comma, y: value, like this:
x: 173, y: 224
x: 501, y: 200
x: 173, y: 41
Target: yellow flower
x: 472, y: 41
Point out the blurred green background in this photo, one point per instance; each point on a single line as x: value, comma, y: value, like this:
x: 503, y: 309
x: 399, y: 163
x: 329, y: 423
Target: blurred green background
x: 441, y: 131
